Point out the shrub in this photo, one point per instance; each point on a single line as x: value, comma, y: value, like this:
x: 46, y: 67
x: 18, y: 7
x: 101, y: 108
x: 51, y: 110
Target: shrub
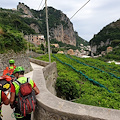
x: 67, y: 89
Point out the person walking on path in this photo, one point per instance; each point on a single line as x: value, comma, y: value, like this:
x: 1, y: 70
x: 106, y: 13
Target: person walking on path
x: 15, y: 89
x: 9, y: 70
x: 3, y: 100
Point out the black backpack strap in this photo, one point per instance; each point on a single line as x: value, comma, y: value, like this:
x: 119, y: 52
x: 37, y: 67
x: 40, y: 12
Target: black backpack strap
x: 17, y: 82
x: 28, y: 79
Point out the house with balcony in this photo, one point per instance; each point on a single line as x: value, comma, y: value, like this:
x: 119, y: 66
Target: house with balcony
x: 36, y: 39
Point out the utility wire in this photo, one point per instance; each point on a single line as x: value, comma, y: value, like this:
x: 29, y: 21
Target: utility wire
x: 40, y: 4
x: 80, y: 9
x: 43, y: 6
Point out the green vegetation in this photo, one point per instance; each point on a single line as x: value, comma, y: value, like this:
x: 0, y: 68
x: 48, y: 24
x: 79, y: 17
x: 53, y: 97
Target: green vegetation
x: 75, y: 86
x: 79, y: 41
x: 12, y: 29
x: 111, y: 32
x: 14, y: 23
x: 63, y: 46
x: 54, y: 21
x: 113, y: 55
x: 11, y: 39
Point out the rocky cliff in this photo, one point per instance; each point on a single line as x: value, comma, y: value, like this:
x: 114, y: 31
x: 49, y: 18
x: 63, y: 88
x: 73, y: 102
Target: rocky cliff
x: 61, y: 29
x: 64, y: 34
x: 108, y: 36
x: 95, y: 47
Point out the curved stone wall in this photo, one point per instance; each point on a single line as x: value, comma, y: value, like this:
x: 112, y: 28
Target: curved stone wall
x: 50, y: 107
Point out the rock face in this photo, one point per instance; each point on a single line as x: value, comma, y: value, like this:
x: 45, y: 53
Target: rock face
x: 95, y: 47
x: 108, y: 36
x: 35, y: 27
x: 28, y: 14
x: 62, y: 32
x: 25, y: 9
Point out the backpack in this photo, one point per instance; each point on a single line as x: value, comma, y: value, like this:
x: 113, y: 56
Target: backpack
x: 26, y: 98
x: 9, y: 71
x: 5, y: 83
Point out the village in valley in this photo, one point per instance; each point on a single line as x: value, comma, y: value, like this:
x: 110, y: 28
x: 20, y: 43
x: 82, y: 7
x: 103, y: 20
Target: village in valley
x: 85, y: 51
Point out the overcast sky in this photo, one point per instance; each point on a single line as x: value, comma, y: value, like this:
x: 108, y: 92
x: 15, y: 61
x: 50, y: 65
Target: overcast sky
x: 87, y: 22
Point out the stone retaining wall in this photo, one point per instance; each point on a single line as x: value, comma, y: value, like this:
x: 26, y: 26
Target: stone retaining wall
x: 50, y: 107
x: 21, y: 59
x: 50, y: 74
x: 33, y: 54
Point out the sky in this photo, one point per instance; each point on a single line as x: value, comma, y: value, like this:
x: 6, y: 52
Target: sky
x: 88, y: 21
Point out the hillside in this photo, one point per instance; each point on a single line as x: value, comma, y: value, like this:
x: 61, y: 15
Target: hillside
x: 112, y: 56
x: 60, y: 27
x: 108, y: 36
x: 28, y: 21
x: 87, y: 80
x: 11, y: 39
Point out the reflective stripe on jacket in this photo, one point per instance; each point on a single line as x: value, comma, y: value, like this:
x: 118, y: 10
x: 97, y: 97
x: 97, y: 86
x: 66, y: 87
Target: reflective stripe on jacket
x: 11, y: 67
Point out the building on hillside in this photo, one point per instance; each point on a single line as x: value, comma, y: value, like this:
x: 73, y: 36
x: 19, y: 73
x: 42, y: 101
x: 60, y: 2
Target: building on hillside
x: 103, y: 53
x: 14, y: 9
x: 83, y: 52
x: 61, y: 52
x: 109, y: 49
x: 56, y: 45
x: 77, y: 53
x: 70, y: 52
x: 36, y: 39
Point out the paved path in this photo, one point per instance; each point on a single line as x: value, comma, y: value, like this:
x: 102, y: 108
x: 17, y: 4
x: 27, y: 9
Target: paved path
x: 7, y: 112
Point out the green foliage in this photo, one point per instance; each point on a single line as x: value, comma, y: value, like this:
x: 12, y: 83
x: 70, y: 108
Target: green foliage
x: 10, y: 40
x: 73, y: 85
x: 54, y: 17
x: 79, y: 41
x: 55, y: 50
x: 14, y: 21
x: 64, y: 46
x: 113, y: 55
x: 111, y: 32
x: 67, y: 88
x: 115, y: 43
x: 42, y: 47
x: 40, y: 51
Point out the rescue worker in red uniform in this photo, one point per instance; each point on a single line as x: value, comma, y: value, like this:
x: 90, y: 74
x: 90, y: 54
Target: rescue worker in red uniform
x: 3, y: 100
x: 9, y: 70
x: 19, y: 74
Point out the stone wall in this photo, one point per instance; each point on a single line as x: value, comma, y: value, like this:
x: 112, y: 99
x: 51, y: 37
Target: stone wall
x: 50, y: 107
x: 39, y: 62
x: 49, y: 72
x: 21, y: 59
x: 50, y: 75
x: 33, y: 54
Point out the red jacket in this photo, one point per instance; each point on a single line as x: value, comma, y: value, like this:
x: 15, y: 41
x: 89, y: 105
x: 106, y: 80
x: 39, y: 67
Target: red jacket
x: 8, y: 70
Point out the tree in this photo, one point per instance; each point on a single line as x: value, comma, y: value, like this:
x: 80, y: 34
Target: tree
x: 42, y: 47
x: 16, y: 22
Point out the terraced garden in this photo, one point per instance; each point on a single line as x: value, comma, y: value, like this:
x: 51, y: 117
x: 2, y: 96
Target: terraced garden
x: 87, y: 80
